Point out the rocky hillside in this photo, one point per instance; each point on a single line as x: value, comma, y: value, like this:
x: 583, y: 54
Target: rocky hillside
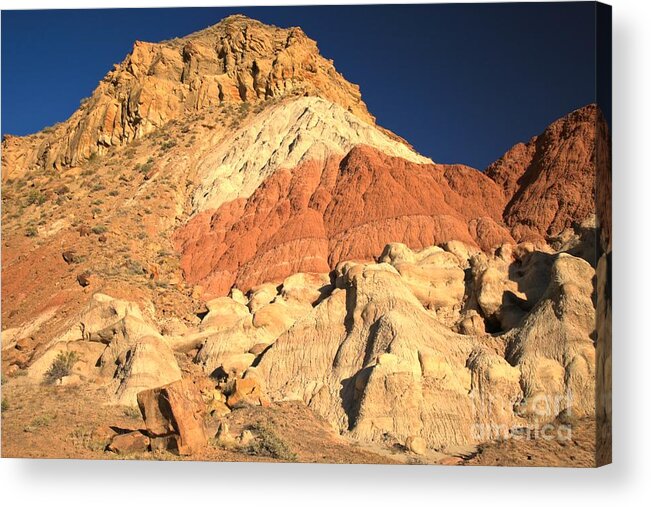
x: 224, y: 215
x: 549, y: 181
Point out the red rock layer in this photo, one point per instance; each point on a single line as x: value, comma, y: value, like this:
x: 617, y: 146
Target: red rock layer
x: 549, y: 181
x: 310, y: 218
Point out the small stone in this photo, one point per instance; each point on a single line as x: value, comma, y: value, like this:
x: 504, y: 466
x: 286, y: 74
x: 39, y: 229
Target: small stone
x: 69, y: 256
x: 450, y: 460
x: 83, y: 279
x: 416, y: 445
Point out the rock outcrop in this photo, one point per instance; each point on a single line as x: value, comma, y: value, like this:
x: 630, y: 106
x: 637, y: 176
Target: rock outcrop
x: 173, y: 415
x: 238, y: 61
x: 116, y: 345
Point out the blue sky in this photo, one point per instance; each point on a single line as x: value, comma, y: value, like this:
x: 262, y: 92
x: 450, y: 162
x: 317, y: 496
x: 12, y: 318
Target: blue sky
x: 462, y: 83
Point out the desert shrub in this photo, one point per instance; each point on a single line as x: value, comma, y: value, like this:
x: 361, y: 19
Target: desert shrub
x: 97, y: 187
x: 168, y: 145
x: 61, y: 366
x: 146, y: 167
x: 244, y: 108
x: 269, y: 443
x: 30, y: 232
x: 41, y: 421
x: 99, y: 229
x: 134, y: 267
x: 114, y: 193
x: 86, y: 439
x: 35, y: 197
x: 5, y: 405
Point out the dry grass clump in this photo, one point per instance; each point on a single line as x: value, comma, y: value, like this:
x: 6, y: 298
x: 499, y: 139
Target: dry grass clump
x: 269, y: 444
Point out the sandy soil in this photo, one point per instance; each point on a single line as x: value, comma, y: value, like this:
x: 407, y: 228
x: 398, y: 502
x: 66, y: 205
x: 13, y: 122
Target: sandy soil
x: 72, y: 422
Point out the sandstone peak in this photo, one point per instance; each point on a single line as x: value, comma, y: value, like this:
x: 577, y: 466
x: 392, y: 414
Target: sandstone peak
x: 236, y: 61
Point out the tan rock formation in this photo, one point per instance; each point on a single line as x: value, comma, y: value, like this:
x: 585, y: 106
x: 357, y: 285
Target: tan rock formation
x: 554, y: 348
x: 237, y: 61
x: 116, y: 345
x: 149, y: 362
x: 372, y: 361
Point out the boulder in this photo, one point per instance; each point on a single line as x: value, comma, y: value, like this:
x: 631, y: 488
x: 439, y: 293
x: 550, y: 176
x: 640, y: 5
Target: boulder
x: 261, y: 296
x: 129, y: 443
x: 173, y: 415
x: 224, y: 436
x: 224, y: 313
x: 307, y: 288
x: 83, y: 279
x: 471, y: 324
x: 416, y: 445
x: 149, y: 363
x: 246, y: 391
x: 236, y: 364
